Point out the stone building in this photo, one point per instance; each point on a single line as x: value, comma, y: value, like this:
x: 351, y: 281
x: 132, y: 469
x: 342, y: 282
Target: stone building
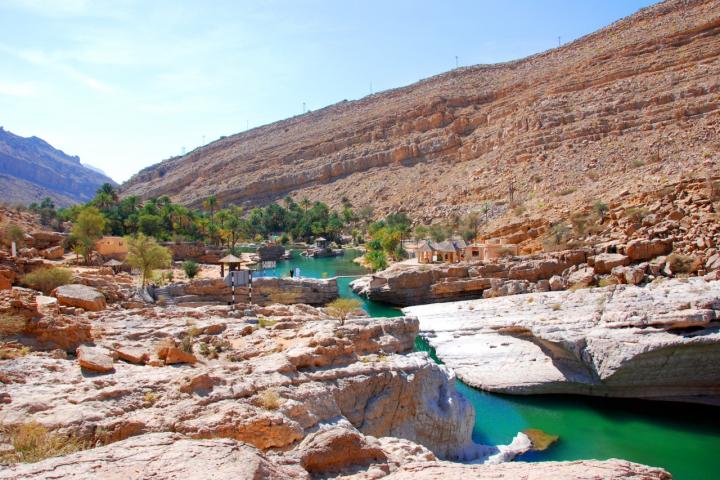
x: 112, y: 247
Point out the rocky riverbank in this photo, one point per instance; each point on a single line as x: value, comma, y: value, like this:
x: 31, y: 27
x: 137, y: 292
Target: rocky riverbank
x: 661, y: 341
x: 287, y: 380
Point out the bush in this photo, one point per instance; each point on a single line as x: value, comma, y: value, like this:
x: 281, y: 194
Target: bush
x: 376, y: 259
x: 11, y: 324
x: 12, y: 233
x: 270, y: 399
x: 266, y: 322
x: 190, y: 268
x: 47, y: 279
x: 342, y: 307
x: 567, y: 191
x: 32, y: 442
x: 682, y: 263
x: 557, y: 238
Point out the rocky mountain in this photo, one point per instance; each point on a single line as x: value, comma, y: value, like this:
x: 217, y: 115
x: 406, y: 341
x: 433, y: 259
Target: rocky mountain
x: 633, y: 105
x: 32, y: 169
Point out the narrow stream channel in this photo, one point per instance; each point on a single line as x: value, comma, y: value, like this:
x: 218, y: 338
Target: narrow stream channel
x: 681, y: 438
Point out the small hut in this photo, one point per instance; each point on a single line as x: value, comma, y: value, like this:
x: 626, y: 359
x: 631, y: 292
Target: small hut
x: 231, y: 261
x: 424, y: 253
x: 114, y: 265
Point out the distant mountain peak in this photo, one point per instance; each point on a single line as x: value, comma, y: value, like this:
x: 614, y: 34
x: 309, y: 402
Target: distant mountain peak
x: 31, y: 169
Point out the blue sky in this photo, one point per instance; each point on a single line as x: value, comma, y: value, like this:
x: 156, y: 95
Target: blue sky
x: 127, y: 83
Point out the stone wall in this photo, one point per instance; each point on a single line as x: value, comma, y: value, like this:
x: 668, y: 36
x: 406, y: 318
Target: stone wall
x: 266, y: 291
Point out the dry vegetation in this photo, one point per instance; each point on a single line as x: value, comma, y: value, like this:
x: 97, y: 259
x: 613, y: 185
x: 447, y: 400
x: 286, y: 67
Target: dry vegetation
x: 32, y: 442
x: 47, y: 279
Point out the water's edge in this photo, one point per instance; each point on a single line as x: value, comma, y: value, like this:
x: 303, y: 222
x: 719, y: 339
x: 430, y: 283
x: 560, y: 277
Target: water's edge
x: 678, y: 437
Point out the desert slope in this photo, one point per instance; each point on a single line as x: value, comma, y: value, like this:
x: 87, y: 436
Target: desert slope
x: 632, y: 105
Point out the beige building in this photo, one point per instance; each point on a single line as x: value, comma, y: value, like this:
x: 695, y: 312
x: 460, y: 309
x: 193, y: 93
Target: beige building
x: 489, y: 250
x: 113, y: 247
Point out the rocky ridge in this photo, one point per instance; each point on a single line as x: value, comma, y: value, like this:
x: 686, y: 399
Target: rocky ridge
x: 31, y: 169
x: 632, y: 104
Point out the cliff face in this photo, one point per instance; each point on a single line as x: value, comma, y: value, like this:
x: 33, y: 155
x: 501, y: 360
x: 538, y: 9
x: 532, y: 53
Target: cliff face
x: 630, y: 105
x: 31, y: 169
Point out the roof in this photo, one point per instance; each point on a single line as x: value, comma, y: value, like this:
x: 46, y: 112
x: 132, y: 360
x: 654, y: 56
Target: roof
x: 113, y: 263
x: 459, y: 243
x: 321, y: 239
x: 425, y: 247
x: 445, y: 247
x: 230, y: 259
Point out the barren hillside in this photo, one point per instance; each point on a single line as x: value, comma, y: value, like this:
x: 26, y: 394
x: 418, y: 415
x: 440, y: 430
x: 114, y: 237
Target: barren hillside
x: 630, y: 107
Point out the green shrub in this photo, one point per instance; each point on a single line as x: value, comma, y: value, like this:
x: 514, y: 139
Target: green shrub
x: 47, y: 279
x: 190, y: 268
x: 12, y: 233
x: 377, y: 260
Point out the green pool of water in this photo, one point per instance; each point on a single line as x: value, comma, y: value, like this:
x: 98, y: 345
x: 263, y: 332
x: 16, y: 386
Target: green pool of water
x: 681, y: 438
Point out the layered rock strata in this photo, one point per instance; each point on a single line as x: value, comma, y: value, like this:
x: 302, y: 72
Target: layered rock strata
x: 406, y: 285
x: 661, y: 341
x: 631, y: 104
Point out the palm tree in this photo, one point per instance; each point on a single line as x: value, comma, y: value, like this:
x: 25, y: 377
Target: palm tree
x: 210, y: 203
x: 305, y: 204
x: 109, y: 190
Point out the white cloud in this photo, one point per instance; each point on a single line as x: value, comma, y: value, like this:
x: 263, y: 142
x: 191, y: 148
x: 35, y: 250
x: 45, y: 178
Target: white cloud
x: 40, y: 58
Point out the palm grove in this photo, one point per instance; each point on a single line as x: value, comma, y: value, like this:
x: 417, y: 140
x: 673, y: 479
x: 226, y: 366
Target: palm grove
x: 161, y: 219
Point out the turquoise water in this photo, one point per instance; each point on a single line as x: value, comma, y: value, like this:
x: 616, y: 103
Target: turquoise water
x: 681, y: 438
x: 333, y: 267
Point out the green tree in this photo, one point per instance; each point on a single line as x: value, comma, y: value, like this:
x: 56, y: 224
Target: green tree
x: 145, y: 253
x: 342, y: 308
x: 190, y: 268
x: 376, y: 259
x: 438, y: 233
x: 149, y: 224
x: 13, y: 233
x: 421, y: 232
x: 210, y: 205
x: 88, y: 228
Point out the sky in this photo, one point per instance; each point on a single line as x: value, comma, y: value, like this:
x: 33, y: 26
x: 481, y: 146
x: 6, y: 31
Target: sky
x: 125, y: 84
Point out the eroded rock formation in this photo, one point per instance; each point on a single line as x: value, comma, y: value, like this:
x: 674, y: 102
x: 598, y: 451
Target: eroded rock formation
x: 661, y: 341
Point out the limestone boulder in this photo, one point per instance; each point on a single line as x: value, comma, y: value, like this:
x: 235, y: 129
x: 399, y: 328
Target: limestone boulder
x: 53, y: 253
x: 643, y: 249
x: 605, y: 262
x: 583, y: 277
x: 177, y: 355
x: 160, y: 455
x: 81, y: 296
x: 338, y: 449
x: 95, y: 359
